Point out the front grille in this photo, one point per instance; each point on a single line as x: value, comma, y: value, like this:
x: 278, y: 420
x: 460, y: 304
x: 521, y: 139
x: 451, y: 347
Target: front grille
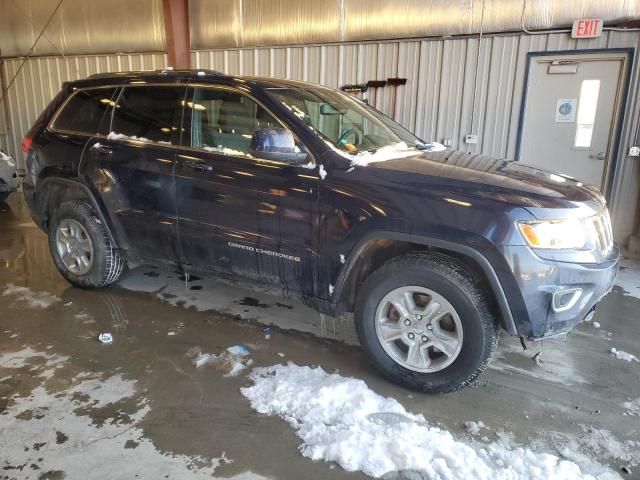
x: 604, y: 235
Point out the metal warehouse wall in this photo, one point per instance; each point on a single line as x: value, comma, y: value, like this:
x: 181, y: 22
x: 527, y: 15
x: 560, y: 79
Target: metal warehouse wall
x: 437, y: 103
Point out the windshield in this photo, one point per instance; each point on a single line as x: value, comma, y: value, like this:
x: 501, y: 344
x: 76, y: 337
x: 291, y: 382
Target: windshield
x: 349, y: 125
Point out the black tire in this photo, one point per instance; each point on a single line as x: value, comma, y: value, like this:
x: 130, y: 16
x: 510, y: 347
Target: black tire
x: 3, y: 197
x: 449, y: 278
x: 107, y: 262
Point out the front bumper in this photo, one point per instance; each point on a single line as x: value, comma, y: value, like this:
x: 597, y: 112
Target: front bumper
x: 559, y: 295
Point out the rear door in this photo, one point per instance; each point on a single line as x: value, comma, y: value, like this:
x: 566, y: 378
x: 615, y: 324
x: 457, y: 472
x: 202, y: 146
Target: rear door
x: 238, y: 213
x: 131, y: 165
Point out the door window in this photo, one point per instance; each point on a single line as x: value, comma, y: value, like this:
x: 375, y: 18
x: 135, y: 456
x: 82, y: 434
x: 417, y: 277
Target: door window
x: 587, y: 107
x: 148, y: 114
x: 84, y: 111
x: 225, y: 122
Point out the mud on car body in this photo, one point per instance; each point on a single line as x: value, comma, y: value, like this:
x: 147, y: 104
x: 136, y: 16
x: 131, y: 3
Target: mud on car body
x: 306, y: 188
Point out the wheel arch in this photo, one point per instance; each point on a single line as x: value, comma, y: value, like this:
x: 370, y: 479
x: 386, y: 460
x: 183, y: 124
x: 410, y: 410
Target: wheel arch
x: 377, y: 248
x: 53, y: 191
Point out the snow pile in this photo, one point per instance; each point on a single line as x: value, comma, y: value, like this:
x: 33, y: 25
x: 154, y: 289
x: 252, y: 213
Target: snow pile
x: 31, y: 298
x: 341, y: 420
x: 620, y: 355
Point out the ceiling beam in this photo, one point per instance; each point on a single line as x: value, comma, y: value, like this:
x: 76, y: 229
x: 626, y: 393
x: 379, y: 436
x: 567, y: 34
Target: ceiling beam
x: 176, y: 26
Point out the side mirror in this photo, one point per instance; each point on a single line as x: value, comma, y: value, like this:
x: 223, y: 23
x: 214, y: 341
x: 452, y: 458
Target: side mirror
x: 276, y: 144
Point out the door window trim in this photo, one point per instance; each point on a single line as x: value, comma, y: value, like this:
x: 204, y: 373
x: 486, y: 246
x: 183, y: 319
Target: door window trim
x: 627, y: 55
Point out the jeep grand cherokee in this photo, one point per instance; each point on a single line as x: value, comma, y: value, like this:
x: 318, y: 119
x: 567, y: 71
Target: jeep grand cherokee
x: 308, y: 189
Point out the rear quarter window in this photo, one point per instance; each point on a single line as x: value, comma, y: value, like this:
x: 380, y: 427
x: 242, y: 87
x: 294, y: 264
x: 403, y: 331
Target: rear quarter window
x: 85, y: 111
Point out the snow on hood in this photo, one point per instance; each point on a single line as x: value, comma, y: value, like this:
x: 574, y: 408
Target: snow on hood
x: 341, y: 420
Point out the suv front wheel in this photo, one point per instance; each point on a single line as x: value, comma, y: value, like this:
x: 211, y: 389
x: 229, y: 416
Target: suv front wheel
x: 81, y: 247
x: 426, y: 323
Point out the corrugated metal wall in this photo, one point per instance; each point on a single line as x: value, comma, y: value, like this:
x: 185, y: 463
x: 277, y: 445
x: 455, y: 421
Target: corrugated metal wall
x: 437, y: 102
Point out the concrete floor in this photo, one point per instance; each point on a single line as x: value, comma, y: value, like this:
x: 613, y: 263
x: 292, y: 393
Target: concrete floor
x: 71, y: 407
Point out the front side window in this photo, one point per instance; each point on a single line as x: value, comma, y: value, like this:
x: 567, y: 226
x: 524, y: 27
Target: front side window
x: 350, y: 126
x: 230, y: 123
x: 85, y: 110
x: 148, y: 114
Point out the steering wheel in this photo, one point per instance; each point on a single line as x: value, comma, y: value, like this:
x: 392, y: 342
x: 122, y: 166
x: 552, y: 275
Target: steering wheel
x: 342, y: 140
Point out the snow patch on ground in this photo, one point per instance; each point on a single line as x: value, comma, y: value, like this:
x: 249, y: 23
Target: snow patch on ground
x: 341, y: 420
x: 29, y: 297
x: 621, y: 355
x: 232, y: 361
x: 37, y: 429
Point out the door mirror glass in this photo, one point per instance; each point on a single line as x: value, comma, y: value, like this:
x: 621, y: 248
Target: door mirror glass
x: 276, y: 144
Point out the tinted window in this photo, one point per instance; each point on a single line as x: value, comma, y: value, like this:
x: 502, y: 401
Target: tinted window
x: 148, y: 114
x: 224, y: 121
x: 85, y: 110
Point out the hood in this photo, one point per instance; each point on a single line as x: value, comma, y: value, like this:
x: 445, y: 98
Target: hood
x: 477, y: 176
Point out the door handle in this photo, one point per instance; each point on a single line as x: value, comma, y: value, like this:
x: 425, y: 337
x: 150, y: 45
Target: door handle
x: 599, y: 156
x: 101, y: 149
x: 198, y: 166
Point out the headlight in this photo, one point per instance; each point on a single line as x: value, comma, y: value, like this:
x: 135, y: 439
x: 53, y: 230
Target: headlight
x: 555, y: 234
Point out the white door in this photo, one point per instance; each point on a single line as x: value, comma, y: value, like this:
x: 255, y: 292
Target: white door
x: 570, y: 114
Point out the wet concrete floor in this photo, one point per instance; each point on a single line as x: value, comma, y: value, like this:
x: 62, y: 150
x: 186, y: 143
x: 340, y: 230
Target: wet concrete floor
x: 71, y: 407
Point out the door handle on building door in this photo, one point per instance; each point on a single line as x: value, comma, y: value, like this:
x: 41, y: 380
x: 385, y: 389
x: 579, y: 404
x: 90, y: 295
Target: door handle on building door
x: 599, y: 156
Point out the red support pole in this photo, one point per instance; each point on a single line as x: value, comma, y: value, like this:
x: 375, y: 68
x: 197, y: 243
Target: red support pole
x: 176, y: 26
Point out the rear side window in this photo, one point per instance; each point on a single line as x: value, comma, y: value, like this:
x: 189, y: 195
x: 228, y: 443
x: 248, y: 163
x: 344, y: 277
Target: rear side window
x: 148, y: 114
x: 85, y: 110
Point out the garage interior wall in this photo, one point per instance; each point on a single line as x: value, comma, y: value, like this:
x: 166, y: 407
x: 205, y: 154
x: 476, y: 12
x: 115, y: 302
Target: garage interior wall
x: 437, y: 102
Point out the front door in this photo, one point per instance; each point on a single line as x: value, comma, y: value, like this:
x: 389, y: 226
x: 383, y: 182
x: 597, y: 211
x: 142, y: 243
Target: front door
x: 240, y: 214
x: 571, y: 113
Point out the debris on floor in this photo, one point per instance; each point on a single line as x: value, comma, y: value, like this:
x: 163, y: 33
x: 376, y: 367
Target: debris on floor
x: 620, y: 355
x: 231, y: 362
x: 341, y: 420
x: 105, y: 337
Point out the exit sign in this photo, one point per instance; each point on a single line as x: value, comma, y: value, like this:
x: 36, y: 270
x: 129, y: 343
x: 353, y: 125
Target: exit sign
x: 587, y: 28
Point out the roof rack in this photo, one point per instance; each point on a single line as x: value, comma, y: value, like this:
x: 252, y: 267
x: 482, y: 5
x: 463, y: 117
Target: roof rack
x: 165, y: 71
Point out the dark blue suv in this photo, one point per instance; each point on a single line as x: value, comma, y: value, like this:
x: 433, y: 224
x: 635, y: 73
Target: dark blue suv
x: 316, y: 193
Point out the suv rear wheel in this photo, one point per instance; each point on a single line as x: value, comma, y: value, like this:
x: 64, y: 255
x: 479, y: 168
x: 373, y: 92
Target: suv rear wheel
x: 81, y: 247
x: 426, y: 323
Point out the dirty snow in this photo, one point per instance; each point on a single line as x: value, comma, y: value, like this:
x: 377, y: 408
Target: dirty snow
x: 39, y: 428
x: 231, y: 362
x: 341, y: 420
x: 122, y: 136
x: 621, y: 355
x: 227, y: 151
x: 322, y: 172
x: 474, y: 427
x: 596, y: 325
x: 632, y: 407
x: 29, y: 297
x: 390, y: 152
